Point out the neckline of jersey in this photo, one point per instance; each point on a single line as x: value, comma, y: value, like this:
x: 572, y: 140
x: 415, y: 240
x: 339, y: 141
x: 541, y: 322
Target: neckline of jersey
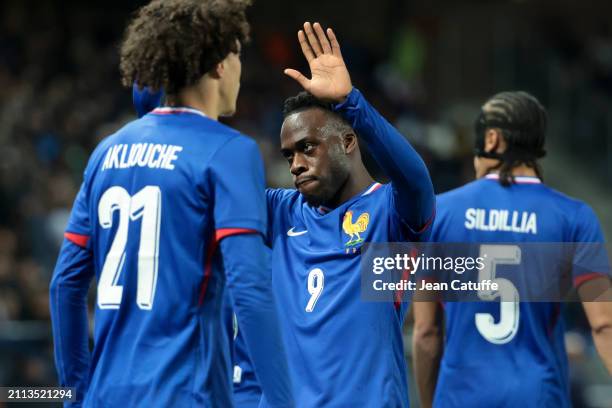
x: 177, y: 110
x: 517, y: 179
x: 322, y: 210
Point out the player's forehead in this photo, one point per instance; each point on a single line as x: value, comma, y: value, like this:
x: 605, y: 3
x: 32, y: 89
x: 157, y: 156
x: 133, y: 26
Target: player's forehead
x: 303, y: 124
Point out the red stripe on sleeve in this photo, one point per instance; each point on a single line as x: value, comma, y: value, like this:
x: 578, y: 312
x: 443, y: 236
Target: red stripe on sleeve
x: 78, y: 239
x: 226, y: 232
x: 579, y: 280
x: 210, y: 253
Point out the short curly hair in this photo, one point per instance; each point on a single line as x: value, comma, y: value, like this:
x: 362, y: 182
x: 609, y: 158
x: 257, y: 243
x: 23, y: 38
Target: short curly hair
x: 171, y: 44
x: 305, y: 100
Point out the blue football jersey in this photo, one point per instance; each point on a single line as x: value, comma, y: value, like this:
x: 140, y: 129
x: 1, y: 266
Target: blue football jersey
x: 157, y: 197
x: 342, y: 351
x: 527, y: 365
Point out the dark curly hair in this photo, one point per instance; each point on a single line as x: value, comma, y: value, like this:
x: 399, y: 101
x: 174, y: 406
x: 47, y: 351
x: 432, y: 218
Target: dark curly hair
x: 302, y: 101
x: 305, y: 100
x: 171, y: 44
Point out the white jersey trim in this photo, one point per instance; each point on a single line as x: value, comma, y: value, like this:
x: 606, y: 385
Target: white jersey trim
x: 517, y: 179
x: 168, y: 110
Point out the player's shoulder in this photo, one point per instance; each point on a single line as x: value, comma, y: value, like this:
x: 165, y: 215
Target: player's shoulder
x: 102, y: 147
x: 229, y: 139
x: 571, y: 208
x: 214, y: 127
x: 563, y: 198
x: 579, y: 216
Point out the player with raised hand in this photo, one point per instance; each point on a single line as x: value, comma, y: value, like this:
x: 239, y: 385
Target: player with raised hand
x: 161, y: 222
x: 343, y: 352
x: 509, y: 353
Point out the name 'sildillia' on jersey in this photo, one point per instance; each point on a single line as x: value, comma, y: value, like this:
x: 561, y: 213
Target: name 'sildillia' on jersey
x: 501, y: 220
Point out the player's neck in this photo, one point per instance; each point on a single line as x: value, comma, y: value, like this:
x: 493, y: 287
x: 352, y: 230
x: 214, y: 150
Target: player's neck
x: 355, y: 184
x: 202, y: 97
x: 522, y: 171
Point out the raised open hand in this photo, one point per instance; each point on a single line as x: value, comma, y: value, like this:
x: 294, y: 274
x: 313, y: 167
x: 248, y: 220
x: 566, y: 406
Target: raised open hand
x: 330, y: 79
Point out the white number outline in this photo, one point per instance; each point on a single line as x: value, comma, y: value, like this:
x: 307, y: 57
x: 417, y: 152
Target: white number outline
x: 506, y: 328
x: 315, y: 276
x: 145, y: 204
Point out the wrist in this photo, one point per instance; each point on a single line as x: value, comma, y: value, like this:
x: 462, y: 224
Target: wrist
x: 347, y: 100
x: 343, y: 98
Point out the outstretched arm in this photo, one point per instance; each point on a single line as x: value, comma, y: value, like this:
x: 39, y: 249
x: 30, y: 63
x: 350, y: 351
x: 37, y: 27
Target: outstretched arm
x: 330, y: 81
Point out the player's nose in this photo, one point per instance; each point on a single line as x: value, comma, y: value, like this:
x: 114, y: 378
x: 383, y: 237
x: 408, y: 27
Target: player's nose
x: 298, y: 165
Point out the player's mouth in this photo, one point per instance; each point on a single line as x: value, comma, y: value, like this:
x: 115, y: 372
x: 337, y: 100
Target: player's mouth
x: 305, y: 182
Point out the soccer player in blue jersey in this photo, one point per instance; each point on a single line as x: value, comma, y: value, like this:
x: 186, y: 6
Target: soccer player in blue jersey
x: 343, y: 352
x: 507, y: 354
x: 162, y: 224
x: 247, y: 390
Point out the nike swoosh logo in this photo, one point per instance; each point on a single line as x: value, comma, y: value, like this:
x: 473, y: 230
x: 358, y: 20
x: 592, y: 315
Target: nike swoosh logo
x: 293, y: 233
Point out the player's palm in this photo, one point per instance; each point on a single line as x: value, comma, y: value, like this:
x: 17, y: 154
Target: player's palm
x: 330, y: 79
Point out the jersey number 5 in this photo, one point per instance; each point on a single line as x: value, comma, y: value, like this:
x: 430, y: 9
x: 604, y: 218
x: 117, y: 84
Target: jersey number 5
x: 145, y: 204
x: 505, y: 329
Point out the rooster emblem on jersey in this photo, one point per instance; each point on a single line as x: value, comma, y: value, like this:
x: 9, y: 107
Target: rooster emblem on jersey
x: 354, y: 229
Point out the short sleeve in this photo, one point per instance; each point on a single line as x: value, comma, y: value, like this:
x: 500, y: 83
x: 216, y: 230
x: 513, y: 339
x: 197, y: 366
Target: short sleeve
x: 590, y: 253
x: 238, y: 183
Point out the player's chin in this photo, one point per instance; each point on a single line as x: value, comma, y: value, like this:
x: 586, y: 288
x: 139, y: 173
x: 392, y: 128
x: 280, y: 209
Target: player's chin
x: 311, y: 194
x: 309, y: 188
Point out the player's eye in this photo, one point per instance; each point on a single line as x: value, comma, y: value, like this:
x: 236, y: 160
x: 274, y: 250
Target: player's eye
x: 309, y: 147
x: 288, y: 156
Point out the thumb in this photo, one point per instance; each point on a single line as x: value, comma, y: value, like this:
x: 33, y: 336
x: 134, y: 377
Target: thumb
x: 301, y: 79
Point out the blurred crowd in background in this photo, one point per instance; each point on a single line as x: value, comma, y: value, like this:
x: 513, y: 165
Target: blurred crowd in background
x: 427, y: 68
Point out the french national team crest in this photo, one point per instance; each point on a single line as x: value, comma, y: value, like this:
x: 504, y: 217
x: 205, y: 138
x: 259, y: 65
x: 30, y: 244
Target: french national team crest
x: 354, y: 229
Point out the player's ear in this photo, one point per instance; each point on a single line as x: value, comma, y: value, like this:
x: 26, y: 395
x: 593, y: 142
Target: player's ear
x: 493, y: 139
x: 350, y: 142
x: 218, y: 70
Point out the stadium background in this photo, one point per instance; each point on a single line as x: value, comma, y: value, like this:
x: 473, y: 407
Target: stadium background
x: 426, y: 65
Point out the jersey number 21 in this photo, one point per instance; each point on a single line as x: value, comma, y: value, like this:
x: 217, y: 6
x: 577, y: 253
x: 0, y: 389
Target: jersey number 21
x: 145, y: 204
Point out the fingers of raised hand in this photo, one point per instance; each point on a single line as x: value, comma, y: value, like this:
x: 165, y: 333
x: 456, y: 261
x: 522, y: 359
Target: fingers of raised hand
x: 335, y: 46
x: 312, y: 39
x: 322, y: 38
x: 306, y: 50
x: 297, y: 75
